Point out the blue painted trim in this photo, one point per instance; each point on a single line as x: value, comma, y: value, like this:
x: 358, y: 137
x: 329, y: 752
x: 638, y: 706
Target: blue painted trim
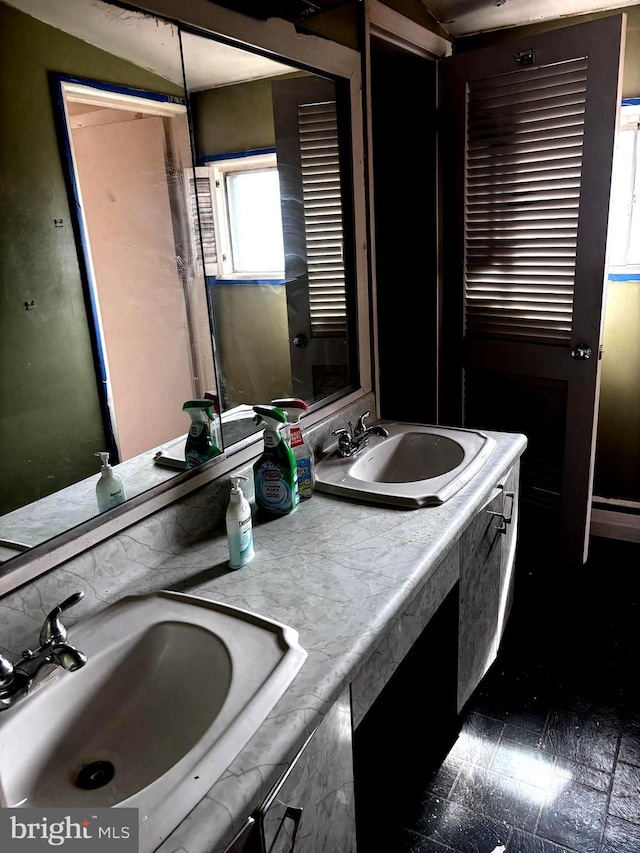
x: 122, y: 90
x: 236, y: 155
x: 90, y: 285
x: 624, y: 276
x: 630, y: 102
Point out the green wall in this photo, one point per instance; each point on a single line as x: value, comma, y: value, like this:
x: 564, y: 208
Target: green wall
x: 618, y: 447
x: 233, y: 118
x: 50, y: 421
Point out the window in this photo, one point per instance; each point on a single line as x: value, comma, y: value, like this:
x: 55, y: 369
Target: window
x: 624, y: 222
x: 239, y: 203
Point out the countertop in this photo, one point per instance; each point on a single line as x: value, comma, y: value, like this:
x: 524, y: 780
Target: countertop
x: 338, y: 572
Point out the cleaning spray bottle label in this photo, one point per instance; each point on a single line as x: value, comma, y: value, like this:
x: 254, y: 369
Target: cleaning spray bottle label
x: 305, y: 481
x: 272, y: 489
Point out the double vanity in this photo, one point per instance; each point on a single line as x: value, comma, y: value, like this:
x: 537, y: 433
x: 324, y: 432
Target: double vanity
x: 222, y: 703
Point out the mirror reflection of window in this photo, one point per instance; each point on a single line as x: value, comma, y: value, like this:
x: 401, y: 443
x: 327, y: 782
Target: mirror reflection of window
x: 242, y: 194
x: 254, y: 221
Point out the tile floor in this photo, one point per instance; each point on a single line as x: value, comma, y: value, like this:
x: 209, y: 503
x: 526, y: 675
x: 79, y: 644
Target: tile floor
x: 546, y: 757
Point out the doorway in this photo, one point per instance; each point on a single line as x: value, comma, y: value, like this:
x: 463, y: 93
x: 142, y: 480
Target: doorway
x: 405, y: 226
x: 126, y: 151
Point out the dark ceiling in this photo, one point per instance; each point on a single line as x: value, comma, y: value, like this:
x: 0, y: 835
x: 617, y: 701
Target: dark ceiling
x: 290, y: 10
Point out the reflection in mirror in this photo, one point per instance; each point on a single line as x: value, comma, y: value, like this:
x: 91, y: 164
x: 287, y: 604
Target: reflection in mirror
x: 274, y: 195
x: 105, y: 323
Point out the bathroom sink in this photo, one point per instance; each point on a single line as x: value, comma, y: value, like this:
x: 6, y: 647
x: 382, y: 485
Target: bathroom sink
x: 174, y: 687
x: 416, y: 465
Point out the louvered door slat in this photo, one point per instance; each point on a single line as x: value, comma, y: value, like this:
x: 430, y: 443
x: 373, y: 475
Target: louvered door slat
x: 521, y: 202
x: 528, y: 121
x: 538, y: 77
x: 322, y: 195
x: 544, y: 131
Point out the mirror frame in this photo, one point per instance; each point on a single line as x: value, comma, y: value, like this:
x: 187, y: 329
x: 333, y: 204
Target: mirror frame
x: 279, y: 39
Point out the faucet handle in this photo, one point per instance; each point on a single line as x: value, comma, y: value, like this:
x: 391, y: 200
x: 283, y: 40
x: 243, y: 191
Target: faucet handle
x: 6, y: 672
x: 53, y: 630
x: 360, y: 427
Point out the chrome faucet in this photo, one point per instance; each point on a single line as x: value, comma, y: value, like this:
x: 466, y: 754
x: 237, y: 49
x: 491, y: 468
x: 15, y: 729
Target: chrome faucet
x: 16, y: 680
x: 352, y: 440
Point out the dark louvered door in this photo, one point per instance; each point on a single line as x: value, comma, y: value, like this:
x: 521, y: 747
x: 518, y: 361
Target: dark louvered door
x: 526, y: 170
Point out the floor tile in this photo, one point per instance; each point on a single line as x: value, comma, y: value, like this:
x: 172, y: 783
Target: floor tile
x: 574, y: 816
x: 632, y: 719
x: 630, y: 747
x: 523, y: 763
x: 584, y: 740
x: 414, y: 843
x: 463, y: 830
x: 500, y: 797
x: 620, y: 836
x: 522, y: 736
x: 477, y: 740
x: 444, y: 778
x: 524, y: 842
x: 587, y: 707
x: 582, y: 774
x: 625, y: 794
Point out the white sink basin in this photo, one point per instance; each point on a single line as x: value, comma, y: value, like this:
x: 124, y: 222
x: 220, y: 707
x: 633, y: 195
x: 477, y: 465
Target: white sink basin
x: 174, y: 687
x: 415, y: 466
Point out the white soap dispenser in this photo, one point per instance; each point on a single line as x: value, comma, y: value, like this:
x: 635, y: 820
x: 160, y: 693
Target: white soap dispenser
x: 239, y: 526
x: 110, y: 487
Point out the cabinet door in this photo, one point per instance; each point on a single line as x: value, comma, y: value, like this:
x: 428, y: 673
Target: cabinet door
x: 312, y: 809
x: 480, y: 573
x: 487, y: 572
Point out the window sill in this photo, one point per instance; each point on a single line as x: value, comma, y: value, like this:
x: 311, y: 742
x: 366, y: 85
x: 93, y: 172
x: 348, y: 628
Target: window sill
x: 253, y: 278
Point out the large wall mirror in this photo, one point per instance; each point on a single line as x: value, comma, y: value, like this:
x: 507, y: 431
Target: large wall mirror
x: 179, y: 223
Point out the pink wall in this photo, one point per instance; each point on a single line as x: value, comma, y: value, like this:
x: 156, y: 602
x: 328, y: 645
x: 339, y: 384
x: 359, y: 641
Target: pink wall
x: 122, y: 177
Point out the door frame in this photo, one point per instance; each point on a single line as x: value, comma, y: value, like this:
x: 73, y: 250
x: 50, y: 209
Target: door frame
x: 98, y: 93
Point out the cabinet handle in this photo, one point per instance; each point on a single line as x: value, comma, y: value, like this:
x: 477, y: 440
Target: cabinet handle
x: 294, y: 813
x: 504, y: 516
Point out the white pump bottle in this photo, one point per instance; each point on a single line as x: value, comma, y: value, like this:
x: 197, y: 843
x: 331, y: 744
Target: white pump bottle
x: 110, y: 489
x: 239, y: 526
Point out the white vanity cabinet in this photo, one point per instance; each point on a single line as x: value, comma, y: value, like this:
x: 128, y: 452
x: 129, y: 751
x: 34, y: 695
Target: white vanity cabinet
x: 312, y: 807
x: 487, y: 557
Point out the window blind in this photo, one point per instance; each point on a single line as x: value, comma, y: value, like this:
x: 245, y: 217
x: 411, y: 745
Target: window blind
x: 523, y: 171
x: 322, y: 199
